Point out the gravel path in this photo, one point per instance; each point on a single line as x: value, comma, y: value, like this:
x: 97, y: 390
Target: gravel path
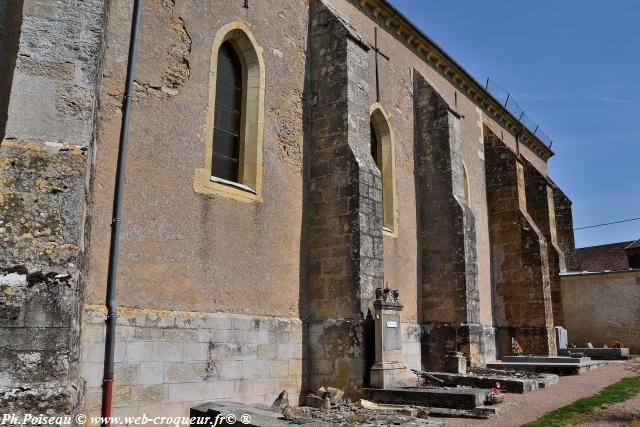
x: 536, y: 403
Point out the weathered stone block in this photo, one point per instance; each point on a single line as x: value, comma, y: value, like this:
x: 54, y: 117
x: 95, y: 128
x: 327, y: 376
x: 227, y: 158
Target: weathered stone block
x: 194, y: 351
x: 279, y: 368
x: 231, y: 370
x: 184, y: 372
x: 177, y: 335
x: 138, y: 351
x: 219, y: 390
x: 187, y: 392
x: 268, y: 351
x: 166, y: 351
x: 255, y: 369
x: 151, y: 394
x: 151, y: 373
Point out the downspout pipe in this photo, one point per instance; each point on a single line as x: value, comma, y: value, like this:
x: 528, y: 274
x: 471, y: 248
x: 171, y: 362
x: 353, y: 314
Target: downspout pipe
x: 109, y: 345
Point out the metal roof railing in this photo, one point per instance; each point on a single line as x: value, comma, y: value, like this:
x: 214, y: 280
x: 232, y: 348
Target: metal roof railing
x: 504, y: 97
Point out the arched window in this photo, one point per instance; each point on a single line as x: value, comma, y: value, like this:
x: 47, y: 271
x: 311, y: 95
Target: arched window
x: 382, y: 152
x: 375, y: 146
x: 467, y: 191
x: 228, y: 115
x: 235, y: 117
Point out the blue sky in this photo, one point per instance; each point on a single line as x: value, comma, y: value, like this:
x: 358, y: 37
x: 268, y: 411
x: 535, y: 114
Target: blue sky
x: 574, y: 67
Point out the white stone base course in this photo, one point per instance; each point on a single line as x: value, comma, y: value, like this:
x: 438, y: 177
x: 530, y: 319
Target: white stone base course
x: 170, y: 361
x: 411, y: 347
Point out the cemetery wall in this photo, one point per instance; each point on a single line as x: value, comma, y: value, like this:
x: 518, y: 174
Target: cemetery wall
x: 601, y: 307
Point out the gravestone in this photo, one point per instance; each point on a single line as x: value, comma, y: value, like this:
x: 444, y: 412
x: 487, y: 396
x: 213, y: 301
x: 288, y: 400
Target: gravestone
x: 561, y: 338
x: 389, y: 369
x: 455, y: 363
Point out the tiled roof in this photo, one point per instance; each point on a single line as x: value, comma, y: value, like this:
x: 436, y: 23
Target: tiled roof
x: 603, y: 257
x: 634, y: 245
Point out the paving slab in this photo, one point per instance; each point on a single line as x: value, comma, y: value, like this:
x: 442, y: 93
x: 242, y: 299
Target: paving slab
x: 258, y: 416
x: 441, y: 397
x: 553, y: 368
x: 481, y: 412
x: 599, y: 353
x: 546, y: 359
x: 508, y: 383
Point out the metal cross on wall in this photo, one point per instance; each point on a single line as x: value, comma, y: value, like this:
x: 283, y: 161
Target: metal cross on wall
x: 377, y: 52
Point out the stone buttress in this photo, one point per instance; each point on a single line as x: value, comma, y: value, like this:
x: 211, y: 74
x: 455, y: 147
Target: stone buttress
x: 564, y: 228
x: 522, y: 294
x: 448, y: 272
x: 45, y: 161
x: 344, y: 244
x: 540, y: 205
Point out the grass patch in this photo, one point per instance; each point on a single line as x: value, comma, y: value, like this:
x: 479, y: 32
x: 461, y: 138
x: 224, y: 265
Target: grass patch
x: 582, y: 409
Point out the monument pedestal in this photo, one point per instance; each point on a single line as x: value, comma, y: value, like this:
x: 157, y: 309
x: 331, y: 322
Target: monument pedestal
x: 389, y: 375
x: 389, y: 369
x: 455, y: 363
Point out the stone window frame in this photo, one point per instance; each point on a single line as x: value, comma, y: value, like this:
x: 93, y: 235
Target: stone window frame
x: 249, y: 189
x: 467, y: 184
x: 386, y: 154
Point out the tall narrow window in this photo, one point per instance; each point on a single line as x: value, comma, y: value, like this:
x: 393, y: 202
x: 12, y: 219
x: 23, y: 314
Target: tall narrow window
x: 228, y: 115
x: 467, y: 191
x: 232, y: 162
x: 374, y: 146
x: 382, y: 152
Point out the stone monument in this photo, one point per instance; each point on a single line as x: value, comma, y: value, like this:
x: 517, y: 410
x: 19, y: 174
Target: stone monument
x: 389, y: 369
x: 562, y: 339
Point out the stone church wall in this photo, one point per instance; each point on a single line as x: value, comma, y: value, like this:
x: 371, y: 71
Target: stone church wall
x: 182, y: 250
x: 396, y: 93
x: 189, y: 252
x: 208, y: 286
x: 44, y: 163
x: 194, y: 265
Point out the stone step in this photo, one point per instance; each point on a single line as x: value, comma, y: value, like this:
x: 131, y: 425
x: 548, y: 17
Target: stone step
x: 216, y: 413
x: 551, y: 368
x: 481, y: 412
x: 444, y: 397
x: 509, y: 384
x: 546, y: 359
x: 599, y: 353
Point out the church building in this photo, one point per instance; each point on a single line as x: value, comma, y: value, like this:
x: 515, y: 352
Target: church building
x: 286, y: 159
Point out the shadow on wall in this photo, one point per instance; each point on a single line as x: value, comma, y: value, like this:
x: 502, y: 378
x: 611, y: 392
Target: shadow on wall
x: 10, y: 23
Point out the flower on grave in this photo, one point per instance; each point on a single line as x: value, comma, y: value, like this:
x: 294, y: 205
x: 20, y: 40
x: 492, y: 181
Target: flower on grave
x: 617, y: 344
x: 496, y: 391
x: 515, y: 347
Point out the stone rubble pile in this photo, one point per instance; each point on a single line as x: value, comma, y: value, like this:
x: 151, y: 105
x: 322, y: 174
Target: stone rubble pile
x: 328, y: 407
